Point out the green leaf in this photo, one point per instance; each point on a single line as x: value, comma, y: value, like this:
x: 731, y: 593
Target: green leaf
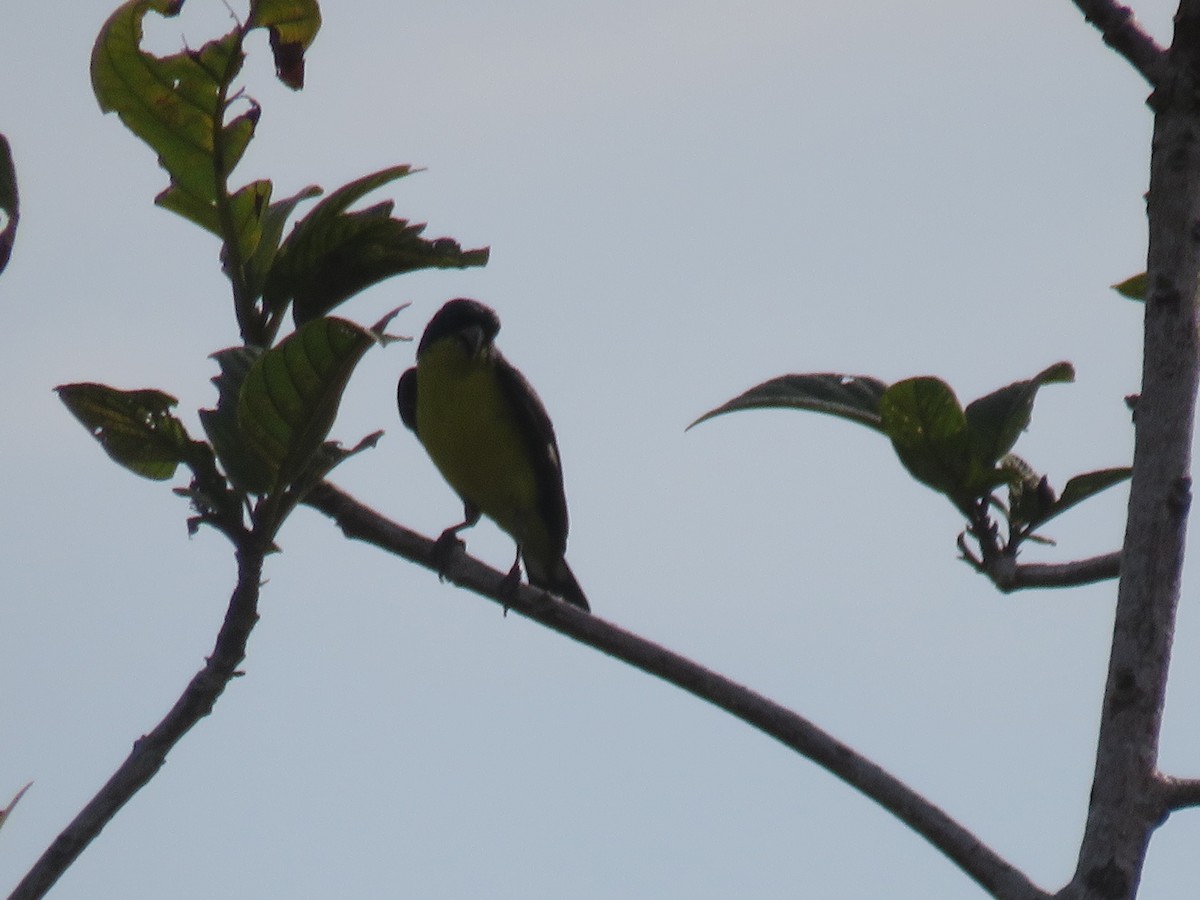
x: 171, y: 103
x: 241, y: 461
x: 135, y: 428
x: 853, y: 397
x: 1081, y: 487
x: 177, y: 105
x: 274, y: 219
x: 332, y: 254
x: 293, y: 25
x: 1029, y: 493
x: 1133, y: 287
x: 291, y: 393
x: 929, y: 433
x: 994, y: 422
x: 9, y: 202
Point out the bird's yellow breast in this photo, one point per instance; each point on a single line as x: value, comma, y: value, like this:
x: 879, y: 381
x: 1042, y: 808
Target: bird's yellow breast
x: 473, y: 436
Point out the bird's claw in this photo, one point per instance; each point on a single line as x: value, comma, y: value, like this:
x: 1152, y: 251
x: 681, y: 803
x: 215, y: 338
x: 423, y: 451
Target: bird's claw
x: 509, y: 585
x: 448, y: 547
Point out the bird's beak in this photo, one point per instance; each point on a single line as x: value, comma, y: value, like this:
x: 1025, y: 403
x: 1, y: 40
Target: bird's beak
x: 473, y: 339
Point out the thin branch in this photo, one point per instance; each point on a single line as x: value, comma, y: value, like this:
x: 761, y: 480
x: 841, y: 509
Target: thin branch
x: 997, y: 559
x: 1124, y: 34
x: 1009, y: 575
x: 978, y: 861
x: 150, y: 751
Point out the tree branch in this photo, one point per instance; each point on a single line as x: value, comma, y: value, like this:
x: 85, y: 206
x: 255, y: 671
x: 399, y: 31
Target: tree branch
x: 1126, y: 804
x: 150, y: 751
x: 978, y: 861
x: 1009, y: 575
x: 1122, y: 32
x: 1179, y: 793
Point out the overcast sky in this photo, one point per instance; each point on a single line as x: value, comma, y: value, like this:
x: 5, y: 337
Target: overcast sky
x: 682, y: 200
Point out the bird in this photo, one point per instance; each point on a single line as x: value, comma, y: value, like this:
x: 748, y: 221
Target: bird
x: 487, y: 432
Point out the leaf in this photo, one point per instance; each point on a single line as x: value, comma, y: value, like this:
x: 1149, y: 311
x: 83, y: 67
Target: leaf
x: 1029, y: 493
x: 177, y: 105
x: 1081, y: 487
x: 332, y: 454
x: 290, y: 395
x: 242, y: 463
x: 332, y: 254
x: 929, y: 433
x: 293, y: 25
x: 1133, y: 287
x: 273, y: 221
x: 995, y: 421
x: 7, y: 811
x: 135, y: 428
x: 853, y: 397
x: 9, y: 202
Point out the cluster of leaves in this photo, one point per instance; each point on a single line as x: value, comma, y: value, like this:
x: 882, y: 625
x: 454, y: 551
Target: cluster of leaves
x: 277, y: 398
x: 963, y: 453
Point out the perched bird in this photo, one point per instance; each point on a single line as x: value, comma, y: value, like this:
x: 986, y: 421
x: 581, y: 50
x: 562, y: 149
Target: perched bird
x: 489, y: 435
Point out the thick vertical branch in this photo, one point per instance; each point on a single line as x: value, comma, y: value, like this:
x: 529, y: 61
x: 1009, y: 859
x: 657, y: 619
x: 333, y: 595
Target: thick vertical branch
x: 150, y: 751
x: 1126, y: 802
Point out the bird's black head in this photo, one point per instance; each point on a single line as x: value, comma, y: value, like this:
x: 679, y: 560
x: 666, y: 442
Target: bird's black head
x: 476, y: 323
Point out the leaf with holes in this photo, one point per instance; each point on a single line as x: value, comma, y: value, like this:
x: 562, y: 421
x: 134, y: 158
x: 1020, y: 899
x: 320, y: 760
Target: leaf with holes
x: 135, y: 428
x: 177, y: 104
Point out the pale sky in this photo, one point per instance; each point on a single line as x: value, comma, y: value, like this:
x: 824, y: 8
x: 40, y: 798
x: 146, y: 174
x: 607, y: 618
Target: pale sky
x: 682, y: 199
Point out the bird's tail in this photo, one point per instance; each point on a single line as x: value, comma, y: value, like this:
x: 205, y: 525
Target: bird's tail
x: 559, y: 580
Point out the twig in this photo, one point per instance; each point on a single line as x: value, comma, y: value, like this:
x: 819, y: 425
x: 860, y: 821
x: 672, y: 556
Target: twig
x: 978, y: 861
x: 1009, y: 575
x: 1124, y: 34
x: 150, y: 751
x: 1178, y: 793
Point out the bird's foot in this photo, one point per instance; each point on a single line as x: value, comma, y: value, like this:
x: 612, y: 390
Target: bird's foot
x: 510, y: 584
x: 446, y: 549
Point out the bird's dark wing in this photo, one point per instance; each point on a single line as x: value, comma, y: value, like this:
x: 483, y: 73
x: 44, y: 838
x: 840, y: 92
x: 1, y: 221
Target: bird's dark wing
x: 406, y: 399
x: 537, y: 430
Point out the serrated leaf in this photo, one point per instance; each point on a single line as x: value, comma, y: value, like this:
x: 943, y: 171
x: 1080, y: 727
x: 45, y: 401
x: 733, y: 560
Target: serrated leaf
x: 1133, y: 287
x: 176, y: 105
x: 995, y: 421
x: 853, y: 397
x: 170, y: 102
x: 9, y: 202
x: 291, y: 394
x: 928, y: 429
x: 332, y: 254
x: 293, y: 25
x: 135, y: 428
x: 240, y: 460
